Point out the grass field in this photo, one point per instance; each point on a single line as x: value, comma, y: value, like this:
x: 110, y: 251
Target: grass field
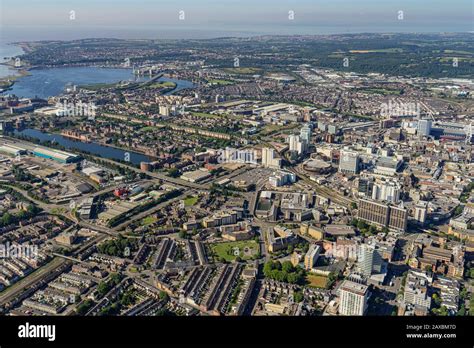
x: 165, y: 84
x: 381, y: 91
x: 244, y: 71
x: 190, y: 201
x: 221, y: 82
x: 204, y: 114
x: 59, y: 211
x: 149, y: 220
x: 317, y: 281
x: 229, y: 250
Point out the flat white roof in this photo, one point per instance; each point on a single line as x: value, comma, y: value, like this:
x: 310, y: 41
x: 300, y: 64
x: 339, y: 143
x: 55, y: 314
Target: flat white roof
x: 54, y: 153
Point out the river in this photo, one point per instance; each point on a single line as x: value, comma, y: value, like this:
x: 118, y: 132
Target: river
x: 92, y: 148
x: 48, y: 82
x: 8, y: 51
x: 44, y: 83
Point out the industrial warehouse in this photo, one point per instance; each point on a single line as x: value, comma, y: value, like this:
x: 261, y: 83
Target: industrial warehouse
x: 59, y: 156
x: 39, y: 151
x: 12, y: 150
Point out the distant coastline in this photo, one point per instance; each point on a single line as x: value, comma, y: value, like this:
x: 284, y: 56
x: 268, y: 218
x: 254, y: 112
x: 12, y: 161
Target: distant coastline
x: 8, y: 72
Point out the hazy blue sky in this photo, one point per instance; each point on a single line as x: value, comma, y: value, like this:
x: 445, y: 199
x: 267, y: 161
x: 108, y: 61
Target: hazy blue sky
x: 49, y: 19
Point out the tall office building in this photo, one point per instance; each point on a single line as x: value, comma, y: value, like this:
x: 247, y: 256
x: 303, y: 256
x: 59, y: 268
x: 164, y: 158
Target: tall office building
x: 293, y: 142
x: 366, y: 186
x: 305, y: 133
x: 366, y: 259
x: 164, y: 110
x: 269, y: 158
x: 398, y: 219
x: 302, y: 147
x: 424, y: 127
x: 370, y: 259
x: 421, y: 210
x: 354, y: 297
x: 387, y: 191
x: 416, y: 291
x: 332, y: 129
x: 281, y: 178
x: 349, y: 162
x: 383, y: 215
x: 378, y: 260
x: 373, y: 212
x: 311, y: 256
x: 297, y: 144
